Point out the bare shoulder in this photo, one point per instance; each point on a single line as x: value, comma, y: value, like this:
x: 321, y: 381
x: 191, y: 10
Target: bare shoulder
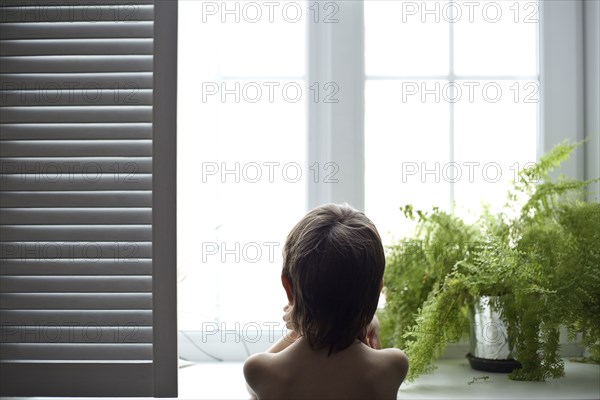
x: 256, y: 366
x: 255, y: 370
x: 260, y: 371
x: 395, y: 360
x: 386, y: 370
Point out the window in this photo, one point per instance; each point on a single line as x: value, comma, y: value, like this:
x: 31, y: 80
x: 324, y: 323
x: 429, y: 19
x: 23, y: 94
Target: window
x: 434, y: 102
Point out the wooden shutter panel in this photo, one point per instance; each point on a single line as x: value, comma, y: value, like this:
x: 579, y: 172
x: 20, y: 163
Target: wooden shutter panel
x: 87, y: 295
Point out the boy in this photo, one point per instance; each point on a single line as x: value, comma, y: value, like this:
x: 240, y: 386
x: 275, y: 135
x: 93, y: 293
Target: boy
x: 333, y: 263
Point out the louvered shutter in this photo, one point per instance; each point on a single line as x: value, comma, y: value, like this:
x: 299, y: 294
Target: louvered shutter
x: 87, y: 198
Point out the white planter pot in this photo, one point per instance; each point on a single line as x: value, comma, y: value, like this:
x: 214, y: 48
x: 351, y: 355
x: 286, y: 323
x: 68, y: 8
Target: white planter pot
x: 490, y: 347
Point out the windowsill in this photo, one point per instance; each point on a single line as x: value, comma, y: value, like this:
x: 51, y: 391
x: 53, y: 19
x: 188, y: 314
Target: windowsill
x: 214, y: 380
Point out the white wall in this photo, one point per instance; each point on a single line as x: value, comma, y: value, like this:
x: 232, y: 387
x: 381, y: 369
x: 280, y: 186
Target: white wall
x: 591, y: 32
x: 570, y: 78
x: 561, y: 78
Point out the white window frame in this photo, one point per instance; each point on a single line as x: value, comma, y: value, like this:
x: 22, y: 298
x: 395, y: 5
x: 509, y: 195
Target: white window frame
x: 336, y: 130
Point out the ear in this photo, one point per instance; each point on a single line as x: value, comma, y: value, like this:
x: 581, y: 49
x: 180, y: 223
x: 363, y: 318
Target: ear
x: 287, y: 285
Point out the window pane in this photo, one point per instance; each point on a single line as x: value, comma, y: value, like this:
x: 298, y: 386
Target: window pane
x: 241, y: 159
x: 496, y: 37
x: 495, y: 135
x: 401, y: 38
x: 244, y: 38
x: 261, y: 48
x: 406, y: 144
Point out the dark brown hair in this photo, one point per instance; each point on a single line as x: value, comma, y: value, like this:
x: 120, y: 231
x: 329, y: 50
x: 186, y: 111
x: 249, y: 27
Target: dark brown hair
x: 334, y: 261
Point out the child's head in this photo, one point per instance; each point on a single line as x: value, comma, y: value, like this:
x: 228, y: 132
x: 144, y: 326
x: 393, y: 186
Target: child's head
x: 333, y: 263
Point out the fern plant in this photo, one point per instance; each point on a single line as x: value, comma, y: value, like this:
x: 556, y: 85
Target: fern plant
x: 417, y: 266
x: 541, y: 256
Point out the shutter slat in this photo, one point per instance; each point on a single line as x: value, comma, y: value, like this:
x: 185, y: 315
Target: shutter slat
x: 48, y: 114
x: 95, y: 301
x: 77, y: 165
x: 89, y: 250
x: 76, y: 317
x: 92, y: 96
x: 40, y: 12
x: 65, y: 30
x: 122, y: 233
x: 75, y: 351
x: 76, y: 131
x: 76, y: 266
x: 115, y: 198
x: 76, y: 182
x: 51, y: 283
x: 76, y: 148
x: 49, y: 81
x: 31, y: 47
x: 23, y: 216
x: 46, y: 64
x: 54, y: 333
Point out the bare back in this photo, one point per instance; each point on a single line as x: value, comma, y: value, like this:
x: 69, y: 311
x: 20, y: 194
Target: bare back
x: 357, y: 372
